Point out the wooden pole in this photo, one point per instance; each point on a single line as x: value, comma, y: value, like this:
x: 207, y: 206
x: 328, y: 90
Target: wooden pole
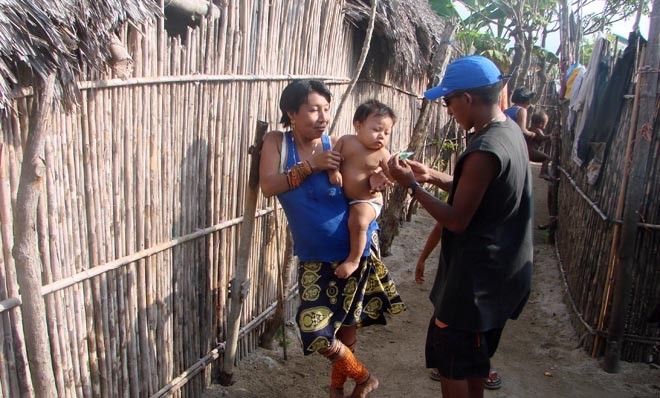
x: 363, y: 57
x: 25, y: 251
x: 238, y: 285
x: 267, y: 338
x: 647, y: 83
x: 616, y: 230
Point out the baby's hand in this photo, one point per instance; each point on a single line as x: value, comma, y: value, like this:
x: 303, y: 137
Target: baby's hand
x: 378, y: 181
x: 325, y: 160
x: 335, y: 177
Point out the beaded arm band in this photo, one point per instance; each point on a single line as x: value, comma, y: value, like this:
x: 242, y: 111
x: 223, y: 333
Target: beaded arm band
x: 297, y: 173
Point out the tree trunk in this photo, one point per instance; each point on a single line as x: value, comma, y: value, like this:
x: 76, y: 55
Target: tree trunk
x: 392, y: 214
x: 26, y: 252
x: 396, y: 202
x: 516, y: 61
x: 523, y: 79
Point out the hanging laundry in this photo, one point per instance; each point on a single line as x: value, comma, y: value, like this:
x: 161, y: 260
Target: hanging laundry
x: 600, y: 133
x: 585, y: 96
x: 598, y: 99
x: 576, y: 73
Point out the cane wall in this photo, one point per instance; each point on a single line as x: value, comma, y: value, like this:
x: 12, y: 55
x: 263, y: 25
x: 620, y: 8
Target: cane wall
x: 143, y: 199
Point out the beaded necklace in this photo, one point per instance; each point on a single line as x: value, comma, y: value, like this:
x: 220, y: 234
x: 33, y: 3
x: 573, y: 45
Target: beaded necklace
x: 296, y: 160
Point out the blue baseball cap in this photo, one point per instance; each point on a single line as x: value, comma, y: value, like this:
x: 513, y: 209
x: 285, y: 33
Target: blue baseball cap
x: 465, y: 73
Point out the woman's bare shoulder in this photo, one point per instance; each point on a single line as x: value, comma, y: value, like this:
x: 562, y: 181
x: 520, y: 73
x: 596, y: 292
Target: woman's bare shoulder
x: 273, y: 134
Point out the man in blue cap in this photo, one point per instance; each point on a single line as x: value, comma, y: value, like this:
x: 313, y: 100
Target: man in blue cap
x: 485, y: 269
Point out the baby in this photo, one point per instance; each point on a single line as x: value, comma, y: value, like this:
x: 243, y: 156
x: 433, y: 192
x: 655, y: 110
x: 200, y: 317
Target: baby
x: 361, y: 156
x: 538, y: 123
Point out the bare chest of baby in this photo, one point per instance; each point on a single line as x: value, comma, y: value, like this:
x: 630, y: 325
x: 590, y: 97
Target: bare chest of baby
x: 357, y: 166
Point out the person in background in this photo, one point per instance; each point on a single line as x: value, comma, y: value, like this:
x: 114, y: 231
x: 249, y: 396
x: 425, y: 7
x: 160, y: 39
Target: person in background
x: 294, y: 167
x: 484, y: 275
x: 538, y: 137
x: 521, y: 99
x: 539, y: 121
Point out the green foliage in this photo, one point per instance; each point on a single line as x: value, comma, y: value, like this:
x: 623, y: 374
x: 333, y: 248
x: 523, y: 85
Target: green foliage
x: 503, y: 30
x: 548, y: 55
x: 449, y: 146
x: 445, y: 9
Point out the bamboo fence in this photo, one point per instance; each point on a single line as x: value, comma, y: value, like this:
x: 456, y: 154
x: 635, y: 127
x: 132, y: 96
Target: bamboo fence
x: 141, y: 209
x: 588, y: 220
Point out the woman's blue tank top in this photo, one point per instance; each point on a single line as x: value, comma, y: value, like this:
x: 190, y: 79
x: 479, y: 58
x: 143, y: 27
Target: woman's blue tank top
x: 317, y: 213
x: 512, y: 112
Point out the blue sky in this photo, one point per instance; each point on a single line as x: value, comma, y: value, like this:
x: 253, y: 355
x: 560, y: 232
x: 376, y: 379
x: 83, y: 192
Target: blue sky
x: 621, y: 28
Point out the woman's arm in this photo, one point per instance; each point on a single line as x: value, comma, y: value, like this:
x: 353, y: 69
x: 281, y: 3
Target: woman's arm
x: 270, y: 180
x: 521, y: 115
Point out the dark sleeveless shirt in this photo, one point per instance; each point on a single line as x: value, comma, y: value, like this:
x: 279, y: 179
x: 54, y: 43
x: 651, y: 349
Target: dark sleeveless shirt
x: 485, y: 272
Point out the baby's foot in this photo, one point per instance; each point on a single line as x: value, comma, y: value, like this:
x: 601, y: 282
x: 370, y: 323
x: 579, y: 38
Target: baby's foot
x: 346, y: 268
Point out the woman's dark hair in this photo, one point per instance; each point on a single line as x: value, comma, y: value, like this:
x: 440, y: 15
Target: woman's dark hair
x: 373, y: 107
x: 522, y: 95
x: 489, y: 95
x: 295, y: 94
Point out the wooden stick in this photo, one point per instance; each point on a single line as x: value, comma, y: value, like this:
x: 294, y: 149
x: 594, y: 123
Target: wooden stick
x: 237, y: 292
x: 584, y: 196
x: 194, y: 78
x: 115, y: 264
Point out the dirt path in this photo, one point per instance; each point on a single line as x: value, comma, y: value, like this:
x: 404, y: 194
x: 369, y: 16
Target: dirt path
x: 538, y: 355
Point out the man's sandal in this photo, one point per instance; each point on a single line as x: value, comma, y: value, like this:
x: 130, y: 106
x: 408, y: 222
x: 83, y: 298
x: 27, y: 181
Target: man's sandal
x: 493, y: 381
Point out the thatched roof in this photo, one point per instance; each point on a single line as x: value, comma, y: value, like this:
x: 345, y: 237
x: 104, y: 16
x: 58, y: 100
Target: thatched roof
x: 39, y: 37
x: 406, y: 34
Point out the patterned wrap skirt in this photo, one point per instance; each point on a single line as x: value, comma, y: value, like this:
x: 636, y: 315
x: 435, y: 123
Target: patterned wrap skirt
x: 328, y: 302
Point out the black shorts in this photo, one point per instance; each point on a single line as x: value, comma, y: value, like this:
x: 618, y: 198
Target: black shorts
x: 458, y: 354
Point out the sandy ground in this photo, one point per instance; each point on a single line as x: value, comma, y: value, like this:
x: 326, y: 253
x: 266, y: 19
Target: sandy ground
x: 538, y: 354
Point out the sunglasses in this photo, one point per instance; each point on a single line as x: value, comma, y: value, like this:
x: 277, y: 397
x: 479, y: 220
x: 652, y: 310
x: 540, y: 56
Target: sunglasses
x: 446, y: 101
